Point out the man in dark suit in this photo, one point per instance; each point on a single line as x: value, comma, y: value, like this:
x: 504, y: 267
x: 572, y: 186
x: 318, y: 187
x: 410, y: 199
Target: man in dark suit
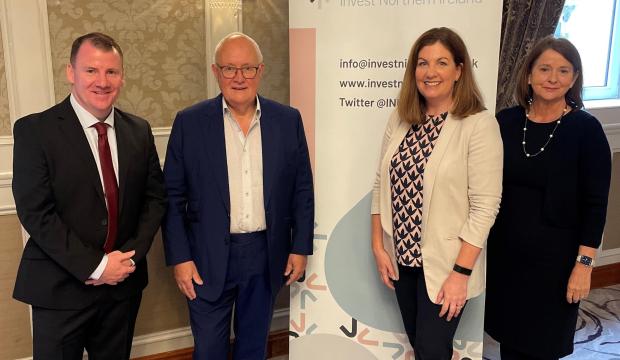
x: 241, y: 205
x: 89, y: 190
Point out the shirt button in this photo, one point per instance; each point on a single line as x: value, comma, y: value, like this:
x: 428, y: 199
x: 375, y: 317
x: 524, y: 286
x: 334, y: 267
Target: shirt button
x: 247, y: 216
x: 247, y: 194
x: 104, y: 222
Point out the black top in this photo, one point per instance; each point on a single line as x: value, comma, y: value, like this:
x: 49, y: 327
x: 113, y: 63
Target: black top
x: 551, y: 204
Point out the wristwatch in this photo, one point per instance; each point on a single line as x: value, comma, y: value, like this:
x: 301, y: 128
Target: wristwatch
x: 585, y: 260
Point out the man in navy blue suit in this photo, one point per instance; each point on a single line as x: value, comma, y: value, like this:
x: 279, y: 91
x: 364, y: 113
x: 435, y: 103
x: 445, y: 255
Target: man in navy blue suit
x: 241, y: 205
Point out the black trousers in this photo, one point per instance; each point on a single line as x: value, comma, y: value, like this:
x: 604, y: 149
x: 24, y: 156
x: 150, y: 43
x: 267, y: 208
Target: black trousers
x: 430, y: 336
x: 510, y: 353
x: 105, y: 329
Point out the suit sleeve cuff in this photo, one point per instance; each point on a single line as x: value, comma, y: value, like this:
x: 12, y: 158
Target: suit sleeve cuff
x: 99, y: 270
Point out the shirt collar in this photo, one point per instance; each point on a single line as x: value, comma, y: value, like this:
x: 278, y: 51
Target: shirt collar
x: 87, y: 119
x: 228, y: 114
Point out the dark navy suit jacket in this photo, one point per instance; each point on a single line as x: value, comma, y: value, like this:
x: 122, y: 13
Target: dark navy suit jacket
x: 197, y: 224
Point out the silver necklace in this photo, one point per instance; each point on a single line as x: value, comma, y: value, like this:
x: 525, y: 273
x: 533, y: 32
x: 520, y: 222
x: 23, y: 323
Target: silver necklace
x: 542, y: 148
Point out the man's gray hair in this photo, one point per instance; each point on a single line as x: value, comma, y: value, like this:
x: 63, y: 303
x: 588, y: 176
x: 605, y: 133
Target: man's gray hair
x: 234, y: 35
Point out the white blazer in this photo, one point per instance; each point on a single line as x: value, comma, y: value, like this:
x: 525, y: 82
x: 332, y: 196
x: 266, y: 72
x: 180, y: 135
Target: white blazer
x: 461, y: 194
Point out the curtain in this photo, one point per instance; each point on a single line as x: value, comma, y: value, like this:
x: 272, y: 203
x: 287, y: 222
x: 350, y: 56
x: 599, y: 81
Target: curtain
x: 523, y: 23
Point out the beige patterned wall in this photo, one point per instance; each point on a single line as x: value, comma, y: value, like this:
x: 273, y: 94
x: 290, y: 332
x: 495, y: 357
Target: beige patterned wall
x: 163, y: 43
x: 5, y: 120
x: 163, y: 306
x: 267, y: 22
x: 15, y: 339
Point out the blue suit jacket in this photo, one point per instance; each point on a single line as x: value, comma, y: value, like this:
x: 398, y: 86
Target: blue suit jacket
x: 197, y: 224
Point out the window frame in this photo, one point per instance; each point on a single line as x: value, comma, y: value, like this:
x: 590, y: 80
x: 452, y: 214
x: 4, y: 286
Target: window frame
x: 612, y: 78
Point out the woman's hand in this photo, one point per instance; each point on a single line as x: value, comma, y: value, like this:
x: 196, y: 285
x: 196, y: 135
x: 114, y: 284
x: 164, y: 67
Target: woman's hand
x: 384, y: 267
x: 384, y: 264
x: 453, y: 293
x: 578, y: 283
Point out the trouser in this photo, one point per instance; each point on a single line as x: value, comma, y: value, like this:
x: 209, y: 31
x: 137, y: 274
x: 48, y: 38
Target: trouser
x: 430, y: 336
x: 247, y: 288
x: 105, y: 329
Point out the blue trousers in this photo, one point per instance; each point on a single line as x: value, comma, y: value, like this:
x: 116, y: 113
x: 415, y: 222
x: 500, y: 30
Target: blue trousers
x: 247, y: 288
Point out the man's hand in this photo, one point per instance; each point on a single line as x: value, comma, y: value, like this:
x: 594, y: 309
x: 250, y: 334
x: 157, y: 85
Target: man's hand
x: 118, y: 268
x: 186, y: 275
x: 295, y: 267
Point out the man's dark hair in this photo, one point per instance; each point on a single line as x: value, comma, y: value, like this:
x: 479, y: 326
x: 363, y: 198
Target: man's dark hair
x: 99, y: 40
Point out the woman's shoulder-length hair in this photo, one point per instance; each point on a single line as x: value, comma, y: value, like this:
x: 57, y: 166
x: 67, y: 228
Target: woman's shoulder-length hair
x: 467, y: 99
x: 523, y: 91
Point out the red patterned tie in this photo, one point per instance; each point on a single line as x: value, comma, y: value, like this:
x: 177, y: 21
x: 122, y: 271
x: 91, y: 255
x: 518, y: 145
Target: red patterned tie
x: 109, y: 184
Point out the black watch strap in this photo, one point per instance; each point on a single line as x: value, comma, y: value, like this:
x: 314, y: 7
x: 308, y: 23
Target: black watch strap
x: 461, y: 270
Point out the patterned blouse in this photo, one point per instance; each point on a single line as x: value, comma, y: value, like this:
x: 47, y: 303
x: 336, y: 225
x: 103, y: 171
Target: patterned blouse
x: 406, y: 179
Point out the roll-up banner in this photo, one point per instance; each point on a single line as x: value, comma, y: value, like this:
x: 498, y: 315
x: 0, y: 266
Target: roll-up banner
x: 347, y: 59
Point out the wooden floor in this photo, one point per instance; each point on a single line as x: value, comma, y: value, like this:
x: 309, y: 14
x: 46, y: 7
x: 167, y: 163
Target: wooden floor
x: 606, y: 275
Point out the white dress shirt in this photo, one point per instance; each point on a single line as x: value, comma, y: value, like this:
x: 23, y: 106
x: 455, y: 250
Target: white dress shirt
x: 87, y: 120
x: 244, y: 157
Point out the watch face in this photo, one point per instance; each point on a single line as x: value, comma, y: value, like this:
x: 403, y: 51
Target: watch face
x: 586, y: 260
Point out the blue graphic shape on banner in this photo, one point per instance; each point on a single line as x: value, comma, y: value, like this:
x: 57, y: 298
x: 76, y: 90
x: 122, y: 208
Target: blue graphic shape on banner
x: 355, y: 284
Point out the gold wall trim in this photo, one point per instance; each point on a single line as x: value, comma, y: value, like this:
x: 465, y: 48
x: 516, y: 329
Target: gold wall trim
x: 6, y: 140
x: 163, y: 131
x: 7, y: 210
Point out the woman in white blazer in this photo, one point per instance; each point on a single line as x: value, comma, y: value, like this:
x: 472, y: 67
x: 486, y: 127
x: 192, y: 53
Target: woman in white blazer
x: 436, y: 193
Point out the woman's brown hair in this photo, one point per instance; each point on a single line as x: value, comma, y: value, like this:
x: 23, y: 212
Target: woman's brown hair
x: 523, y: 91
x: 466, y: 96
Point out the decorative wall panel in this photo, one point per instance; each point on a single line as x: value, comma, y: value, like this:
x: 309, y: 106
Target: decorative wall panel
x: 267, y: 22
x: 15, y: 339
x: 163, y: 306
x: 5, y: 120
x: 163, y: 44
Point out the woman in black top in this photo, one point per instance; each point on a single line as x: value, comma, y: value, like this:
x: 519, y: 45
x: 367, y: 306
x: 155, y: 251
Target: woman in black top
x: 557, y: 169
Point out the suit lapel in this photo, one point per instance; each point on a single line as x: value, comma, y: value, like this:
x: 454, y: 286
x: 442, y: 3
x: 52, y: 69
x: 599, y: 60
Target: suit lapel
x: 270, y: 141
x: 440, y: 149
x: 215, y: 147
x: 70, y: 126
x: 123, y: 142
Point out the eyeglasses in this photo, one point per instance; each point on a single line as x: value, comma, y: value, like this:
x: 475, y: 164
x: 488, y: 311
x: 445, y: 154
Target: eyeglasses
x: 229, y: 72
